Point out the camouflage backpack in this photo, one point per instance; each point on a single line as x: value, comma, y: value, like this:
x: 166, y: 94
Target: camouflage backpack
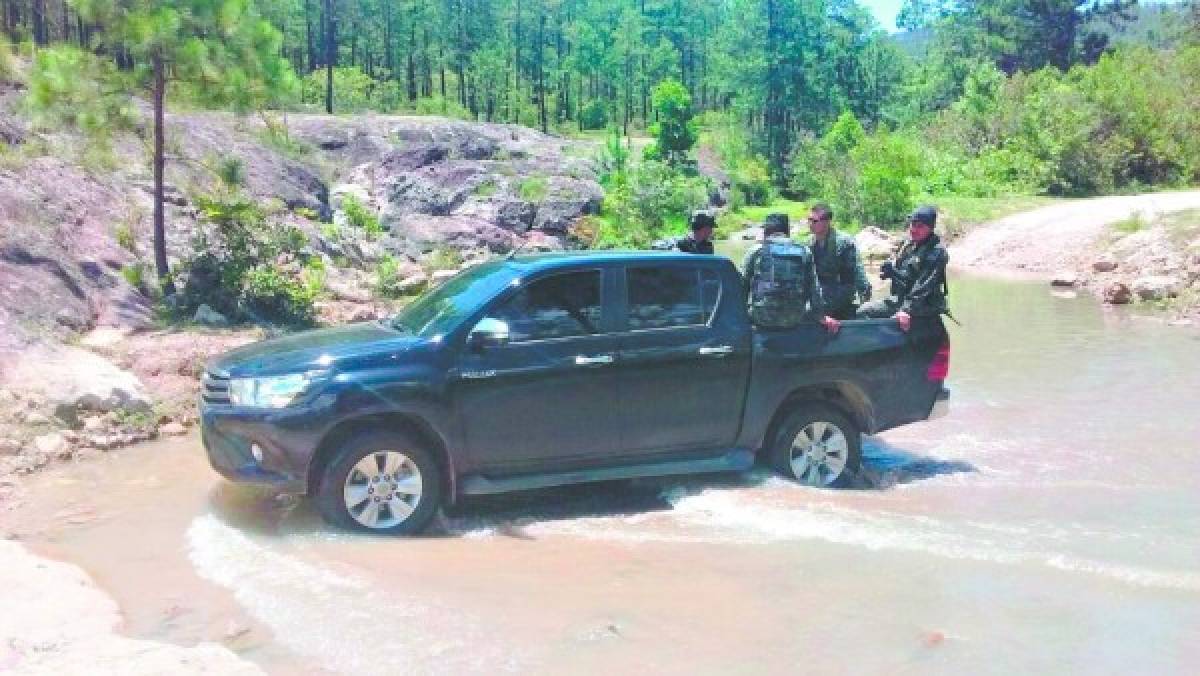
x: 778, y: 296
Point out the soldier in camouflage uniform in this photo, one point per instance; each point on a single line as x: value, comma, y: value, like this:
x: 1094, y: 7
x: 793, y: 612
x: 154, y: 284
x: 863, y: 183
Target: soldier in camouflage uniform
x: 918, y: 274
x: 839, y: 268
x: 808, y: 304
x: 699, y: 242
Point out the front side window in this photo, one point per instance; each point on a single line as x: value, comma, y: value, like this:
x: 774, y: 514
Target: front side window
x: 668, y: 297
x: 561, y: 306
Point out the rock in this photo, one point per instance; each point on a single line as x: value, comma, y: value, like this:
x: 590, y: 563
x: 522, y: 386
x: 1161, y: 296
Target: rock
x: 875, y: 243
x: 94, y: 425
x: 87, y: 453
x: 440, y: 276
x: 9, y: 447
x: 1064, y: 278
x: 413, y: 284
x: 347, y: 291
x: 365, y: 313
x: 1117, y: 293
x: 50, y: 444
x: 1156, y: 287
x: 36, y: 418
x: 172, y: 429
x: 1104, y: 265
x: 207, y: 316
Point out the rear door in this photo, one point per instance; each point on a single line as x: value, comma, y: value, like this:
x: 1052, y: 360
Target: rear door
x: 547, y: 399
x: 684, y: 358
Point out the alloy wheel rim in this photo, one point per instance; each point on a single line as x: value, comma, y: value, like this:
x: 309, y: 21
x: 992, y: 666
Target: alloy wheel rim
x: 383, y: 489
x: 819, y: 453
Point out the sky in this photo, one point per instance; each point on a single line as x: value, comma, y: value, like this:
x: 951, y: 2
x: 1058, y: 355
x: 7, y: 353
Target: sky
x: 885, y: 12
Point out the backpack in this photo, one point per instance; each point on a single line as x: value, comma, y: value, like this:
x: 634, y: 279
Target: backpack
x: 779, y: 288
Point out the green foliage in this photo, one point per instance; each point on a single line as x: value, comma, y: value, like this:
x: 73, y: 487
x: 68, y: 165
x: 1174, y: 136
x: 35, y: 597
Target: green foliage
x: 436, y: 105
x: 388, y: 279
x: 752, y: 182
x: 361, y: 217
x: 533, y: 189
x: 274, y: 295
x: 69, y: 87
x: 8, y: 69
x: 868, y: 179
x: 278, y: 138
x: 246, y: 267
x: 675, y: 132
x: 594, y: 115
x: 648, y: 203
x: 307, y: 213
x: 135, y: 274
x: 231, y: 171
x: 352, y: 89
x: 485, y: 189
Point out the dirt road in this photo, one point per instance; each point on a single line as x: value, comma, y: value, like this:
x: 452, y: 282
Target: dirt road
x: 1058, y: 237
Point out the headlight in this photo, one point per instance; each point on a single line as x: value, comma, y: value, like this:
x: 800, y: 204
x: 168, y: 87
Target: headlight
x: 273, y: 392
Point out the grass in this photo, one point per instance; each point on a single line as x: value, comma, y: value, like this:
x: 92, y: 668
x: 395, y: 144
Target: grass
x: 958, y: 215
x: 486, y: 189
x: 1128, y: 226
x: 1183, y: 226
x: 533, y: 189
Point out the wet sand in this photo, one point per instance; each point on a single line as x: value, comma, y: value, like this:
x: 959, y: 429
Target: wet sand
x: 1051, y: 523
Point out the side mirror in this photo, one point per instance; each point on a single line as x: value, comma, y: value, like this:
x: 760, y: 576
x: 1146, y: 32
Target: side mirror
x: 488, y: 332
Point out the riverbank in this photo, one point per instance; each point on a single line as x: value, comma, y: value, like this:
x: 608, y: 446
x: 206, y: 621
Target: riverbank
x: 1122, y: 249
x: 57, y: 621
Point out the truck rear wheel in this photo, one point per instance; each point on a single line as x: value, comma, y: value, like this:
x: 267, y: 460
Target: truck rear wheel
x: 817, y: 445
x: 381, y: 482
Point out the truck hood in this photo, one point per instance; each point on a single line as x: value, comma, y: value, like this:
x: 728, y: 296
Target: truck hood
x: 319, y: 349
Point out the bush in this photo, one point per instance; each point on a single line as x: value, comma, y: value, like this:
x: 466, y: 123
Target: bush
x: 125, y: 237
x: 352, y: 89
x: 361, y: 217
x: 271, y: 294
x: 653, y: 201
x: 594, y: 115
x: 387, y: 277
x: 752, y: 180
x: 247, y: 268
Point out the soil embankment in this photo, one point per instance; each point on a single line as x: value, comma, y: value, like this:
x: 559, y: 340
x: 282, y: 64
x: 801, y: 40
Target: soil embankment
x: 1122, y: 248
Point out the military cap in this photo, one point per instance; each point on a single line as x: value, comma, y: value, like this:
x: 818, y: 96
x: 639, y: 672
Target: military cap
x: 924, y: 214
x: 702, y: 219
x: 776, y: 222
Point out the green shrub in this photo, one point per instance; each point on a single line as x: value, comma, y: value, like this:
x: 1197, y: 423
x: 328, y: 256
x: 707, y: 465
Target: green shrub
x: 244, y: 266
x: 307, y: 213
x: 387, y: 277
x: 444, y: 258
x: 361, y: 217
x: 1128, y: 226
x: 594, y: 115
x: 436, y: 105
x: 276, y: 296
x: 485, y: 189
x: 752, y: 179
x: 137, y: 274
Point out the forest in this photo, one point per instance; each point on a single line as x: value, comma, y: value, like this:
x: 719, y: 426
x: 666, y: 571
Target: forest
x: 797, y: 99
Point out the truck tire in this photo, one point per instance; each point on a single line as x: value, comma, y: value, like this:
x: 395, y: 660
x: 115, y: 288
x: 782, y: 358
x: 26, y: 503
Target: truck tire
x: 381, y: 482
x: 817, y: 445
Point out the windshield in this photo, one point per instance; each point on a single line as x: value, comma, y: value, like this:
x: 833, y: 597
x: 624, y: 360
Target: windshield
x: 442, y: 309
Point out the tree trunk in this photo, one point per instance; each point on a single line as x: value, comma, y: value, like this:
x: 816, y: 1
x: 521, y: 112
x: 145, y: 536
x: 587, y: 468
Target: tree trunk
x: 330, y: 53
x: 160, y: 229
x: 412, y: 65
x: 310, y: 47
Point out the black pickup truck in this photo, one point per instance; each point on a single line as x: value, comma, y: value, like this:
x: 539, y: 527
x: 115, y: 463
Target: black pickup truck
x: 556, y: 369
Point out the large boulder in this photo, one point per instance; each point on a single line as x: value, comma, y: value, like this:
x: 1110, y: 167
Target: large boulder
x: 72, y: 379
x: 1117, y: 293
x: 875, y: 243
x: 1064, y: 278
x: 1156, y: 287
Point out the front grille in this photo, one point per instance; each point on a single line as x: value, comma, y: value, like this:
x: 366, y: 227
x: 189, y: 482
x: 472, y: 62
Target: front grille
x: 214, y: 388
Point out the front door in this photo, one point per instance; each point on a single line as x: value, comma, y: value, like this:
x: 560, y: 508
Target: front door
x: 547, y: 399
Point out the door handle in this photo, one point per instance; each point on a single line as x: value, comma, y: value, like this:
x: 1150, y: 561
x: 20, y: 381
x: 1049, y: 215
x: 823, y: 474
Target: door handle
x: 718, y: 351
x: 593, y: 361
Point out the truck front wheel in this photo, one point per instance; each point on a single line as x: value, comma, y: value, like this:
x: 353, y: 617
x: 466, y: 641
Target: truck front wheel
x: 817, y: 445
x: 381, y: 482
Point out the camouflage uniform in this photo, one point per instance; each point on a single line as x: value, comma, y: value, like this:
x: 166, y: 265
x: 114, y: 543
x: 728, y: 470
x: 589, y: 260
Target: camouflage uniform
x: 840, y: 272
x: 813, y: 309
x: 918, y: 282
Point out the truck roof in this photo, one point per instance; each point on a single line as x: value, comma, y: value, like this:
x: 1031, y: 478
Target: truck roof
x: 545, y: 261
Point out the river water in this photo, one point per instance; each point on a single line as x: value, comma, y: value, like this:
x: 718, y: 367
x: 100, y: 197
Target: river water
x: 1050, y: 523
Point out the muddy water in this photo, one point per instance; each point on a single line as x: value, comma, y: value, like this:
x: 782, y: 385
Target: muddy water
x: 1051, y: 523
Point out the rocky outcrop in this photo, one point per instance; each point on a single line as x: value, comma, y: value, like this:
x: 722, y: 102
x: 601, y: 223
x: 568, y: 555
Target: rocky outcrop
x: 875, y: 243
x: 1156, y: 287
x: 72, y: 380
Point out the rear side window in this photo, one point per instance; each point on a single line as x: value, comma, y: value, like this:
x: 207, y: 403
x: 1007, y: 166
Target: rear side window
x: 561, y: 306
x: 669, y: 297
